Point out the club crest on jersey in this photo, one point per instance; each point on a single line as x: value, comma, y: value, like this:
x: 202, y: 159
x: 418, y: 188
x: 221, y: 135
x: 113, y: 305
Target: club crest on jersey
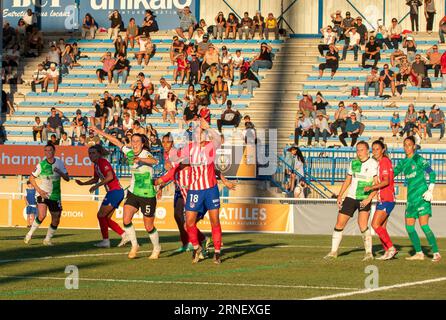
x: 192, y: 205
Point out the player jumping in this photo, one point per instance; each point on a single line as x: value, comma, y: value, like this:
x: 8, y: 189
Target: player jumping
x: 106, y: 176
x: 419, y: 197
x: 386, y: 196
x: 50, y: 170
x: 141, y: 194
x: 362, y: 173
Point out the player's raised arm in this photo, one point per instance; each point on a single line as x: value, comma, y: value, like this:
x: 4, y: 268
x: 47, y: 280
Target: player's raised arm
x: 109, y: 137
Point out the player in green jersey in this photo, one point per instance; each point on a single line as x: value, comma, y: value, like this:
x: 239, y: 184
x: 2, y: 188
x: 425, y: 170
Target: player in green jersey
x: 419, y: 197
x: 141, y: 194
x: 49, y: 171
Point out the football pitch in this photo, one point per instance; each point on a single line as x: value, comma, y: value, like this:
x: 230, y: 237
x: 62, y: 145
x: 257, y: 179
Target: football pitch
x: 254, y: 266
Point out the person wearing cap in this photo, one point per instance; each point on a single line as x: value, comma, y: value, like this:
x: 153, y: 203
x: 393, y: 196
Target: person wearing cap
x: 271, y: 25
x: 348, y: 21
x: 220, y: 26
x: 372, y: 81
x: 78, y: 125
x: 147, y: 84
x: 176, y: 48
x: 229, y: 117
x: 116, y: 126
x: 372, y: 52
x: 149, y: 24
x: 53, y: 124
x: 329, y: 39
x: 352, y: 129
x: 306, y: 105
x: 146, y: 48
x: 203, y: 46
x: 352, y: 42
x: 107, y: 64
x: 231, y: 25
x: 414, y: 14
x: 187, y: 23
x: 258, y: 24
x: 245, y: 26
x: 411, y: 46
x: 52, y: 76
x: 337, y: 20
x: 362, y: 30
x: 434, y: 60
x: 303, y: 128
x: 321, y: 127
x: 436, y: 121
x: 199, y: 35
x: 395, y: 32
x: 382, y: 36
x: 395, y: 124
x: 340, y: 119
x: 38, y: 77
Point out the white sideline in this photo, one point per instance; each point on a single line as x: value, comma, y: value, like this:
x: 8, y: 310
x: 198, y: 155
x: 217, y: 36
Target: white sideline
x: 367, y: 291
x: 183, y: 283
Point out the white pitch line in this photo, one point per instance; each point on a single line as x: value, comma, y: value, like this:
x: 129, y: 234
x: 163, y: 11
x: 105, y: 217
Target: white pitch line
x: 367, y: 291
x: 185, y: 283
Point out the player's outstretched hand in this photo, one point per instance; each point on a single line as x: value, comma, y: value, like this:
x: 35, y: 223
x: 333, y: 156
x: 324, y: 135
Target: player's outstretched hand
x: 93, y: 189
x: 79, y: 182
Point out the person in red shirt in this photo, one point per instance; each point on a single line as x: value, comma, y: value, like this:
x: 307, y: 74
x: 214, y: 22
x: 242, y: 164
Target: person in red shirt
x: 181, y: 68
x: 443, y: 69
x: 205, y: 113
x: 386, y: 197
x: 104, y: 175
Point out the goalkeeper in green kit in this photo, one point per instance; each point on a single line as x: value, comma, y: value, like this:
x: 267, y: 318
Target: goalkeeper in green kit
x: 419, y: 197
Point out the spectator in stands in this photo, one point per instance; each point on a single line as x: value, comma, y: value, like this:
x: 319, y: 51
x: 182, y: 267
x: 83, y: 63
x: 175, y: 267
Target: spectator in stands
x: 395, y: 33
x: 147, y: 84
x: 436, y: 121
x: 231, y: 25
x: 337, y: 20
x: 362, y: 30
x: 162, y: 93
x: 320, y: 104
x: 245, y: 26
x: 382, y: 36
x: 115, y: 24
x: 101, y: 114
x: 53, y: 124
x: 418, y: 70
x: 120, y: 46
x: 321, y: 127
x: 351, y: 130
x: 372, y: 52
x: 180, y: 69
x: 306, y: 105
x: 127, y: 123
x: 92, y: 139
x: 30, y: 20
x: 121, y: 67
x: 434, y: 61
x: 297, y: 174
x: 146, y: 48
x: 67, y: 60
x: 329, y: 39
x: 414, y: 13
x: 211, y: 57
x: 78, y: 125
x: 258, y: 24
x: 187, y: 23
x: 429, y: 13
x: 203, y: 46
x: 170, y: 107
x: 89, y: 25
x: 205, y: 113
x: 264, y: 60
x: 213, y: 74
x: 229, y: 117
x: 65, y: 140
x: 226, y: 57
x: 149, y: 24
x: 352, y: 42
x: 176, y: 48
x: 386, y: 80
x: 248, y: 80
x: 54, y: 140
x: 410, y: 45
x: 331, y: 61
x: 194, y: 70
x: 396, y: 57
x: 107, y: 66
x: 410, y: 121
x: 116, y: 126
x: 52, y: 76
x: 238, y: 60
x: 190, y: 112
x: 303, y: 128
x: 131, y: 33
x: 395, y: 124
x: 442, y: 29
x: 198, y: 35
x: 340, y: 119
x: 35, y: 43
x: 228, y: 76
x: 53, y: 55
x: 372, y: 81
x: 37, y: 129
x: 221, y: 90
x: 39, y: 77
x: 220, y: 26
x: 82, y: 141
x: 271, y: 25
x: 203, y: 95
x: 137, y: 129
x: 422, y: 122
x: 404, y: 74
x: 151, y: 131
x: 5, y: 106
x: 9, y: 36
x: 11, y: 60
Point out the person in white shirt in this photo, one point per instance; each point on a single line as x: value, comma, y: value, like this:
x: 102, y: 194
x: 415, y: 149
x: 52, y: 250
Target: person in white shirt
x: 30, y: 20
x: 53, y: 75
x: 162, y: 92
x: 237, y: 61
x: 352, y: 42
x: 329, y: 38
x: 321, y: 126
x: 198, y: 36
x: 39, y: 77
x: 65, y: 140
x: 127, y: 123
x: 304, y: 128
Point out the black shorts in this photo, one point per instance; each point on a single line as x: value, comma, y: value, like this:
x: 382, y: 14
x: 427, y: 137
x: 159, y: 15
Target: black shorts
x: 53, y: 205
x: 102, y: 73
x: 349, y: 207
x: 146, y: 205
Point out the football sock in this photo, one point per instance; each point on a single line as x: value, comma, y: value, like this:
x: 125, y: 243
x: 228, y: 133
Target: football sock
x: 192, y: 232
x: 114, y: 226
x: 430, y: 238
x: 154, y: 238
x: 367, y: 237
x: 384, y: 237
x: 36, y: 224
x: 201, y: 236
x: 413, y: 236
x: 130, y: 231
x: 103, y: 224
x: 216, y: 237
x: 50, y: 233
x: 336, y: 240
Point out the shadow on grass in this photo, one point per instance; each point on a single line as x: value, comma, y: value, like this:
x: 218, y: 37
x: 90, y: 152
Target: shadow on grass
x: 379, y: 249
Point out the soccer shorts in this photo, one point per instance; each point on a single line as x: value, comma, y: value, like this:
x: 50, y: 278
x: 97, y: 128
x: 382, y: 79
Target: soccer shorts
x: 179, y: 196
x: 31, y: 210
x: 53, y: 205
x: 418, y: 209
x: 146, y: 205
x: 203, y: 200
x: 349, y: 207
x: 387, y: 207
x: 113, y: 198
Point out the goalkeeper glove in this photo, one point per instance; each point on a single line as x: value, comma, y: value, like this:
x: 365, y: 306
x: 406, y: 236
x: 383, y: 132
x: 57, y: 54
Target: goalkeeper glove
x: 428, y: 195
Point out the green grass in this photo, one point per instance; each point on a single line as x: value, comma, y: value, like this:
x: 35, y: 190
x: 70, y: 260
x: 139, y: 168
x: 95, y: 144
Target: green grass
x: 255, y: 266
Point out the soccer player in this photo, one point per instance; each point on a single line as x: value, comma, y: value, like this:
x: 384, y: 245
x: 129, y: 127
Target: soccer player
x: 362, y: 173
x: 104, y: 175
x: 50, y: 170
x: 141, y: 194
x: 386, y: 196
x: 419, y: 197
